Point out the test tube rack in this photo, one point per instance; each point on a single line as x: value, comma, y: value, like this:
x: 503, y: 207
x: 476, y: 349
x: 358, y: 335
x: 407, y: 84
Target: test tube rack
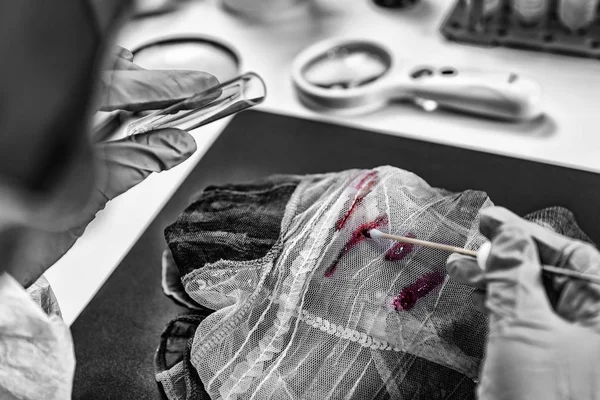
x: 468, y: 23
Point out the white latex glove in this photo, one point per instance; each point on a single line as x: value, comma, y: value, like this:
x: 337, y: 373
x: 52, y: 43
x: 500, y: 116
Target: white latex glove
x: 121, y: 164
x: 533, y: 351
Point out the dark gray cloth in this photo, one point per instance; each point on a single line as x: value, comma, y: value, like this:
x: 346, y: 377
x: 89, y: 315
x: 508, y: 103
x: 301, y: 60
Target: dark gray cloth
x: 232, y: 222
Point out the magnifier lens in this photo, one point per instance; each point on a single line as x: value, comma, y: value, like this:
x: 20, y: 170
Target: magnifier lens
x: 190, y: 55
x: 348, y: 66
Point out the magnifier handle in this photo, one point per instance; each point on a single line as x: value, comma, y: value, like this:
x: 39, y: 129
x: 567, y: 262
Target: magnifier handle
x: 490, y: 94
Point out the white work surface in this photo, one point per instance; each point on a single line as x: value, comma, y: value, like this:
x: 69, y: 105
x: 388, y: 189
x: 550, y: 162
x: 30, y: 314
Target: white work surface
x: 568, y: 136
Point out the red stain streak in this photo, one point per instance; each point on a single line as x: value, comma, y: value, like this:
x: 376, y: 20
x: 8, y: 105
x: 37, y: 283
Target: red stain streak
x: 400, y: 250
x: 368, y: 175
x: 409, y: 296
x: 361, y: 233
x: 364, y: 186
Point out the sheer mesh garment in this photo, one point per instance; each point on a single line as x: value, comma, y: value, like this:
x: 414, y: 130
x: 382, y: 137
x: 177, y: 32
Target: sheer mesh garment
x: 326, y: 311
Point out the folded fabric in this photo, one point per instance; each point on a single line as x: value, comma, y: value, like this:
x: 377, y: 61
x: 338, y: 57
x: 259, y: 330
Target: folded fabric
x: 307, y: 306
x: 174, y: 371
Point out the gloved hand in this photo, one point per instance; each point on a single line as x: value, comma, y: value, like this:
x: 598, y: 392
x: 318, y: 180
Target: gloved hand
x: 126, y: 86
x: 534, y: 351
x: 121, y: 164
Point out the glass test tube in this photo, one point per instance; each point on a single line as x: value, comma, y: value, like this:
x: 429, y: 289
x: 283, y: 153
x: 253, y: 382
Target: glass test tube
x: 202, y: 108
x: 487, y: 7
x: 576, y: 14
x: 265, y: 9
x: 490, y: 7
x: 530, y: 11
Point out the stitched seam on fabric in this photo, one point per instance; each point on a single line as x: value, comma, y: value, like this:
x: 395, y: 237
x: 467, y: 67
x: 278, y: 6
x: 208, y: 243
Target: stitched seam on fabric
x: 305, y: 278
x: 294, y: 275
x: 222, y: 331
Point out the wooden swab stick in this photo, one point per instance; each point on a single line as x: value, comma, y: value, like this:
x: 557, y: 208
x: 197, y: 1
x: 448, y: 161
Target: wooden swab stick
x: 374, y: 233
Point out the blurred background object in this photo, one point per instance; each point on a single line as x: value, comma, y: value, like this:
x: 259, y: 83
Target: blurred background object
x: 265, y: 10
x: 530, y: 11
x: 149, y: 7
x: 559, y: 26
x: 353, y: 76
x: 490, y: 6
x: 395, y: 3
x: 576, y: 14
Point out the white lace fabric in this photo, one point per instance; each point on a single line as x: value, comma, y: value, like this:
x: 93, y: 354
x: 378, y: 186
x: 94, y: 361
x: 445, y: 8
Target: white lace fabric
x: 285, y: 330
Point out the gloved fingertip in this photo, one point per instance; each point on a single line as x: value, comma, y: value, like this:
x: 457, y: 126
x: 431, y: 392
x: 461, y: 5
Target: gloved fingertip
x: 456, y: 257
x: 478, y: 299
x: 465, y: 270
x: 204, y: 79
x: 136, y: 89
x: 127, y: 54
x: 172, y: 146
x: 514, y: 274
x: 514, y: 253
x: 124, y: 53
x: 451, y: 267
x: 512, y: 242
x: 180, y: 140
x: 490, y: 219
x: 453, y: 264
x: 184, y: 83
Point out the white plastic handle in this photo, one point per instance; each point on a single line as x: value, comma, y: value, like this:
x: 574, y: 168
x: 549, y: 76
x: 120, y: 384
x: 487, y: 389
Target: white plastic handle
x: 491, y: 94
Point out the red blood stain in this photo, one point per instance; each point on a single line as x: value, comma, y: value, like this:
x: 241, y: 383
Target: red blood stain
x: 361, y: 233
x: 368, y: 176
x: 409, y: 296
x: 400, y: 250
x: 364, y: 186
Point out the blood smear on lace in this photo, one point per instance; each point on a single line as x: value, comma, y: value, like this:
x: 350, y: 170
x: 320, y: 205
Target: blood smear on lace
x: 400, y: 250
x: 409, y: 296
x: 364, y: 186
x: 361, y: 233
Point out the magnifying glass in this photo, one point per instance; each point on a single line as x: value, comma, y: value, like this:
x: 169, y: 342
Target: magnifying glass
x: 357, y: 76
x: 199, y: 53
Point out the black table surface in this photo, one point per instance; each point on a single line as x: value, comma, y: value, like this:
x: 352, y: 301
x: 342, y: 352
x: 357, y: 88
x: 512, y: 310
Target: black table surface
x: 116, y: 335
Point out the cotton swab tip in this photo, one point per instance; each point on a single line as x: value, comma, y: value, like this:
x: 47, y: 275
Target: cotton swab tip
x: 375, y: 234
x: 483, y: 253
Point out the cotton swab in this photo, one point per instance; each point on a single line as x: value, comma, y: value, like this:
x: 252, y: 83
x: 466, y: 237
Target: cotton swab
x: 377, y: 234
x: 481, y: 255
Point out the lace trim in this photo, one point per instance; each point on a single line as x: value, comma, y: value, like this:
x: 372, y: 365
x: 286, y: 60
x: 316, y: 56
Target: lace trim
x: 346, y: 333
x: 301, y: 269
x: 330, y: 328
